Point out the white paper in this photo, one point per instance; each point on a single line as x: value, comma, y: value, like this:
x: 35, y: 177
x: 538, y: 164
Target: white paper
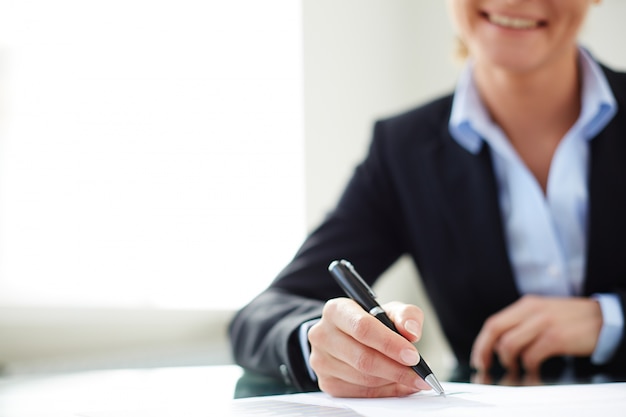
x: 605, y: 400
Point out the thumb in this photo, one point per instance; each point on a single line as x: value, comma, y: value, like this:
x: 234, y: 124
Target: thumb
x: 407, y: 318
x: 414, y: 329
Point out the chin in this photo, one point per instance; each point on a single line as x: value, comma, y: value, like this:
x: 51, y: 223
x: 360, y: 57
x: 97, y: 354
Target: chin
x: 515, y: 66
x: 510, y: 60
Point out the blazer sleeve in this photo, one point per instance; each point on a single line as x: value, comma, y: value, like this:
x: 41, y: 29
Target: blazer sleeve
x: 363, y: 228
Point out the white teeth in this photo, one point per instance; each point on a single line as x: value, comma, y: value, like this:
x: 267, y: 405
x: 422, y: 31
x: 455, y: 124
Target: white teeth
x: 513, y: 22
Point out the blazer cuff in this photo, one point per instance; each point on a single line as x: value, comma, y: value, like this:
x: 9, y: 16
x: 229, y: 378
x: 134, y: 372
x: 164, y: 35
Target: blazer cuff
x: 296, y: 370
x: 303, y: 333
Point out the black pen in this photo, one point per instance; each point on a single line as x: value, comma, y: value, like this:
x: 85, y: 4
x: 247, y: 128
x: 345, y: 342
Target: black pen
x: 357, y: 289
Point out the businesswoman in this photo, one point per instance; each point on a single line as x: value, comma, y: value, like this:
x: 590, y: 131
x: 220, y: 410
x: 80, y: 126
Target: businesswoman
x: 509, y: 196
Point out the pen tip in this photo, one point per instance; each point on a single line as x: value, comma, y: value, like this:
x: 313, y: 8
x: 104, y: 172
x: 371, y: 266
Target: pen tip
x: 434, y: 384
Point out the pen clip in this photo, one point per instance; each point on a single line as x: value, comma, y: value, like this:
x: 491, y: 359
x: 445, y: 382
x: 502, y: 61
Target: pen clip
x: 350, y: 267
x: 356, y: 274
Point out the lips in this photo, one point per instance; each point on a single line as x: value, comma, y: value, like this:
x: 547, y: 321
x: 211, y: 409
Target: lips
x: 509, y: 22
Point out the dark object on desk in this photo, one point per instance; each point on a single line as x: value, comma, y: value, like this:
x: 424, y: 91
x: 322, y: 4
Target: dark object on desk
x: 255, y: 385
x: 554, y: 371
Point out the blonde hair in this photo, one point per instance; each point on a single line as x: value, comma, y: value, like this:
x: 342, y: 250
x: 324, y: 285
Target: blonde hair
x: 461, y: 52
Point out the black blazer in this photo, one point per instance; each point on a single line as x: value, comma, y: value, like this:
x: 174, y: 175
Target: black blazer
x: 419, y: 192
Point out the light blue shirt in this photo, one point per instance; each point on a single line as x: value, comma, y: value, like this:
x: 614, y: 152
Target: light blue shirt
x: 546, y: 234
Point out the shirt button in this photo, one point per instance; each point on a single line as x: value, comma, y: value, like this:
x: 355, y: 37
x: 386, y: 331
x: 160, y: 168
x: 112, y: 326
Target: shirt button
x: 554, y: 271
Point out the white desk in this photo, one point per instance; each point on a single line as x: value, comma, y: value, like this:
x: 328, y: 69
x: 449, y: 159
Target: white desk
x: 180, y: 392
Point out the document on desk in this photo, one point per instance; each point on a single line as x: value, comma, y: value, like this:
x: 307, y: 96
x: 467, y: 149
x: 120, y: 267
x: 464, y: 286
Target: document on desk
x: 606, y: 400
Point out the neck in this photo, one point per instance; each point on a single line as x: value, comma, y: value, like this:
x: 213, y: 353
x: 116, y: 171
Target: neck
x: 546, y: 99
x: 535, y: 109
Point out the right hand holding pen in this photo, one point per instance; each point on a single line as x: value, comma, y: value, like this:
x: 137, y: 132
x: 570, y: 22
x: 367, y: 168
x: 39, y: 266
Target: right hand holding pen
x: 355, y: 355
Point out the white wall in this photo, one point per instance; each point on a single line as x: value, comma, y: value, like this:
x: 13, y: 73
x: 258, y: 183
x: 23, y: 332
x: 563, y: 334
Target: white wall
x: 52, y: 339
x: 365, y: 59
x: 130, y: 189
x: 604, y: 33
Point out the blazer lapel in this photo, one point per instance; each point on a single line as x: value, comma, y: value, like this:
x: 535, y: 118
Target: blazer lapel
x: 469, y: 192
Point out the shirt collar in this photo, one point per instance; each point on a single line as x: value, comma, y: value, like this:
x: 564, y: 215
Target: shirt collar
x: 469, y: 118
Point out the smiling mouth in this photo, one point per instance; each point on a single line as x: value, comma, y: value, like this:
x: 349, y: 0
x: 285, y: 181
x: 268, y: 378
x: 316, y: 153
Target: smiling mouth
x: 513, y: 22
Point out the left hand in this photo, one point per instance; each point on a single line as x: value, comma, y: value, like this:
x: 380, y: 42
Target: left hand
x: 536, y: 328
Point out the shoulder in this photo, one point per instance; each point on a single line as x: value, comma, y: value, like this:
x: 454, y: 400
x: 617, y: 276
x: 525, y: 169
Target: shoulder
x: 430, y: 115
x: 617, y: 81
x: 420, y: 126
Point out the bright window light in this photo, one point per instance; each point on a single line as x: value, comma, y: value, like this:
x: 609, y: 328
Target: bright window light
x: 150, y: 151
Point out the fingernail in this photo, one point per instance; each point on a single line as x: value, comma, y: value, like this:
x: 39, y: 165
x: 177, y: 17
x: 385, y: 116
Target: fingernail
x: 409, y: 357
x: 412, y: 327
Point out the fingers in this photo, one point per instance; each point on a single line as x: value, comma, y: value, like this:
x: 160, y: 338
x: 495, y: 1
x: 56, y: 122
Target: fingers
x: 507, y: 333
x: 339, y: 378
x: 512, y: 343
x: 354, y: 354
x: 485, y: 342
x: 408, y: 318
x: 368, y: 331
x: 346, y: 359
x: 537, y: 353
x: 534, y: 329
